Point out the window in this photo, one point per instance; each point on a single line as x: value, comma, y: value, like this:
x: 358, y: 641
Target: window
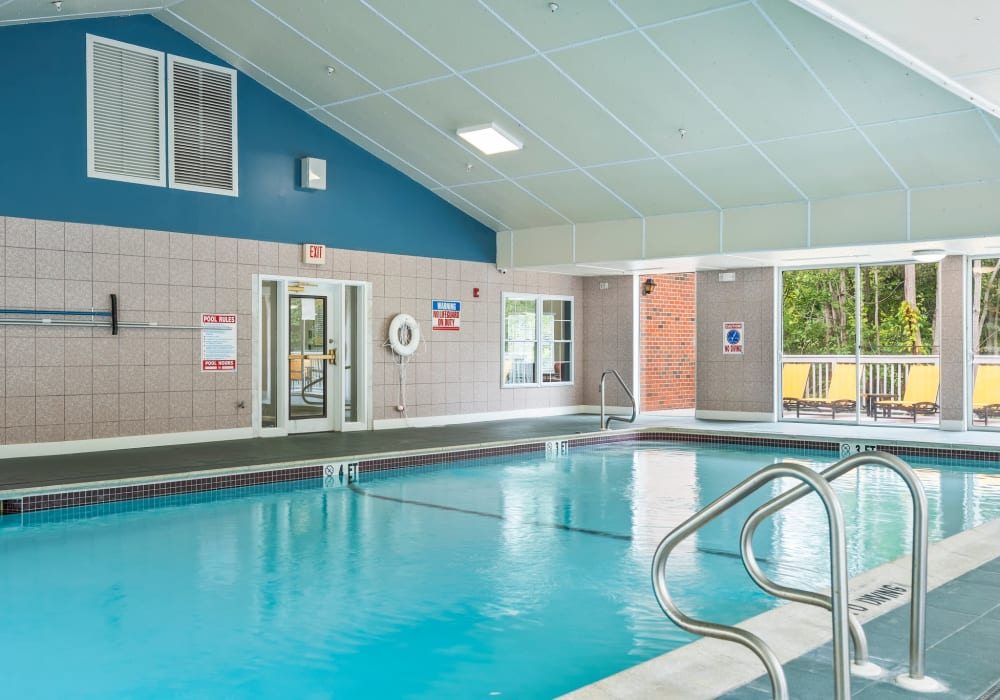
x: 126, y: 134
x: 202, y: 111
x: 124, y: 112
x: 537, y: 340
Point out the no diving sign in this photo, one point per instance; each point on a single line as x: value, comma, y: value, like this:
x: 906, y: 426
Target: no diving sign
x: 733, y: 338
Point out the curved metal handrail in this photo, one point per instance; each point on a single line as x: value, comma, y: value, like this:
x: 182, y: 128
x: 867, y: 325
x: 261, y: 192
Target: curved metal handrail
x: 838, y: 575
x: 635, y: 410
x: 918, y: 605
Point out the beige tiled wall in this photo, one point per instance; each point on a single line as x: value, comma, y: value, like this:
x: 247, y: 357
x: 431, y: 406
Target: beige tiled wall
x: 951, y: 313
x: 736, y: 383
x: 609, y: 337
x: 79, y: 383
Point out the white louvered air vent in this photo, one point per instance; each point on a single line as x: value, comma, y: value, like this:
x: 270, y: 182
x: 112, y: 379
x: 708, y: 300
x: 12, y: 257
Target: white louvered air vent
x: 202, y: 114
x: 124, y: 112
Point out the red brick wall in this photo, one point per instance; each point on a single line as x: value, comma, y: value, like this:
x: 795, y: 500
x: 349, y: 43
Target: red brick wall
x: 666, y: 343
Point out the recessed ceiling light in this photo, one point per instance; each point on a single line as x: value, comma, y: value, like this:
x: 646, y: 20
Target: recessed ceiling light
x: 489, y: 138
x: 928, y: 255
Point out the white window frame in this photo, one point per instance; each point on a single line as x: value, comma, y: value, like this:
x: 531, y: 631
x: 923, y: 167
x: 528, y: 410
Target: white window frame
x: 91, y: 171
x: 539, y: 341
x: 171, y: 60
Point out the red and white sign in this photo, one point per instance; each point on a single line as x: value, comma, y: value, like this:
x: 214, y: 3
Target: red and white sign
x: 733, y: 338
x: 218, y: 342
x: 313, y: 254
x: 446, y: 315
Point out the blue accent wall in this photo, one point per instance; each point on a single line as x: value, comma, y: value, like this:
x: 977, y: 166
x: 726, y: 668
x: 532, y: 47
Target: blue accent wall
x: 367, y: 205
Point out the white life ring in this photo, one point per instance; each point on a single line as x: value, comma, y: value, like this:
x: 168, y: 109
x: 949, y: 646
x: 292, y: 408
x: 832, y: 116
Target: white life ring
x: 404, y: 335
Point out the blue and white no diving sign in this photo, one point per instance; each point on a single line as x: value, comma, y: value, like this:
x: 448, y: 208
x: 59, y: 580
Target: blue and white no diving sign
x: 733, y: 338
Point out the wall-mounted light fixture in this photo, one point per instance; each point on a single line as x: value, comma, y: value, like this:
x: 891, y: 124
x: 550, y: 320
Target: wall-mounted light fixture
x: 489, y: 138
x: 648, y: 286
x: 928, y: 255
x: 312, y: 173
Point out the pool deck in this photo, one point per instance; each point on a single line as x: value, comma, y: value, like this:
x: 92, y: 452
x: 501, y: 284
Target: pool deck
x: 963, y: 608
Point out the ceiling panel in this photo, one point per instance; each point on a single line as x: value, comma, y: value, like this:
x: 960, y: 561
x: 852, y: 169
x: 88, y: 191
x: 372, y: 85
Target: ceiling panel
x: 391, y: 125
x: 575, y: 20
x: 21, y: 11
x: 456, y: 200
x: 832, y: 165
x: 959, y: 36
x: 358, y: 37
x: 577, y: 196
x: 508, y: 203
x: 940, y: 150
x: 871, y: 86
x: 644, y: 12
x: 770, y: 96
x: 375, y: 149
x: 538, y: 96
x: 494, y: 42
x: 630, y: 77
x: 735, y: 177
x: 237, y: 61
x: 452, y: 103
x: 248, y: 34
x: 652, y: 187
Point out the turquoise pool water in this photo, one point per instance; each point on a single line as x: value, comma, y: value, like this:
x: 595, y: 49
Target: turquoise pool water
x: 521, y: 578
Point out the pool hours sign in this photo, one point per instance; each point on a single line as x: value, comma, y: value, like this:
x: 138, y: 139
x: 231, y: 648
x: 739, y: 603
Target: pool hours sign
x: 732, y: 338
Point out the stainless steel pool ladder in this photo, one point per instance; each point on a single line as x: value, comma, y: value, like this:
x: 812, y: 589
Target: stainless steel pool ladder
x: 918, y: 573
x: 635, y: 411
x: 836, y: 602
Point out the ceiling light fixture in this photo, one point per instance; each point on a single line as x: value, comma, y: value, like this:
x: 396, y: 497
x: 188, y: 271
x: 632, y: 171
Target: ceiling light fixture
x: 928, y: 255
x: 489, y: 138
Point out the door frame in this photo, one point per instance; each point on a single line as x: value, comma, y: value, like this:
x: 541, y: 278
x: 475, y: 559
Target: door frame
x: 276, y: 344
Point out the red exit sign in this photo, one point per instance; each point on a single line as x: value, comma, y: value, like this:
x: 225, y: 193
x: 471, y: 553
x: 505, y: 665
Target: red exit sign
x: 313, y: 254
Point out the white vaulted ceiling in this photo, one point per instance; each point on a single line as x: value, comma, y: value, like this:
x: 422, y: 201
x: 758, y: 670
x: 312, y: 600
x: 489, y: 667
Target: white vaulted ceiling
x: 657, y: 134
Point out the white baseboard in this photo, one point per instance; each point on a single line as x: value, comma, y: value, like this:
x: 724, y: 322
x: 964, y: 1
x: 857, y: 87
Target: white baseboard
x: 430, y: 421
x: 38, y: 449
x: 743, y: 416
x: 953, y: 425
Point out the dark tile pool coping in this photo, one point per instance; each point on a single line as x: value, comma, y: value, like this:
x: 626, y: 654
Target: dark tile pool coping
x: 86, y: 494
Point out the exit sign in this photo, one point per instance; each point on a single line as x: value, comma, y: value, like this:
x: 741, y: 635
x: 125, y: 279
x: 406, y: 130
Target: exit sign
x: 313, y: 254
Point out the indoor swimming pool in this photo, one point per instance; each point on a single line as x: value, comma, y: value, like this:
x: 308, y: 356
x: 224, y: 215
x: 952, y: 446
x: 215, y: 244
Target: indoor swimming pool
x: 520, y: 577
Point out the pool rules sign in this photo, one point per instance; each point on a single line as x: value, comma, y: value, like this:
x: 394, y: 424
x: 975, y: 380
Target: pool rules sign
x: 218, y: 342
x: 732, y: 338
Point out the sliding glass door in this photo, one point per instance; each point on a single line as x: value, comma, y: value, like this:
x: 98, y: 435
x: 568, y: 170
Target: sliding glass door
x: 858, y: 344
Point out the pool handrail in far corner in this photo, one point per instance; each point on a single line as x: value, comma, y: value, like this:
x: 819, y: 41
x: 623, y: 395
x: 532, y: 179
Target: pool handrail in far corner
x: 605, y: 424
x: 918, y: 583
x: 838, y: 575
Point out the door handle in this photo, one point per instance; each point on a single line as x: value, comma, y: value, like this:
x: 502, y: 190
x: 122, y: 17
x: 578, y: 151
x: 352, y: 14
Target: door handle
x: 331, y: 357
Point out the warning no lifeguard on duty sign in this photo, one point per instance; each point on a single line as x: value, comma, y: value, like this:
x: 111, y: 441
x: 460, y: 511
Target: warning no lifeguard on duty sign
x: 732, y: 338
x: 446, y: 315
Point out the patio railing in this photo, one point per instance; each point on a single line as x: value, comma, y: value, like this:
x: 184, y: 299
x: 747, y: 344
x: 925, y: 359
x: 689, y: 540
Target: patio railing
x: 880, y: 374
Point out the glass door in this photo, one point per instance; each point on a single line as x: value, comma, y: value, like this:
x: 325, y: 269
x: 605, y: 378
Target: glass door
x: 984, y: 326
x: 314, y: 358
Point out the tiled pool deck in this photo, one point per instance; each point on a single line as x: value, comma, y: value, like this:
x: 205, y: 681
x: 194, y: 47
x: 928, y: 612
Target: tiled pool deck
x: 963, y: 630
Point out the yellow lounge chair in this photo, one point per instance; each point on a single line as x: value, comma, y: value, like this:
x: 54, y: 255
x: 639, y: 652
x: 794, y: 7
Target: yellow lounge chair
x: 986, y: 392
x: 842, y: 394
x: 920, y: 395
x: 794, y: 376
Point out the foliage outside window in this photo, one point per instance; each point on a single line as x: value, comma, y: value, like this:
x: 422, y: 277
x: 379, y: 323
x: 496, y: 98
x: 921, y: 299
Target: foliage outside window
x: 898, y: 310
x: 537, y: 340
